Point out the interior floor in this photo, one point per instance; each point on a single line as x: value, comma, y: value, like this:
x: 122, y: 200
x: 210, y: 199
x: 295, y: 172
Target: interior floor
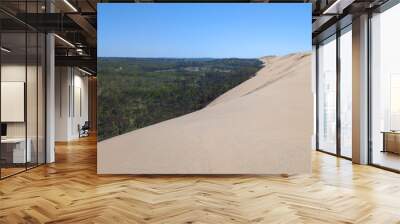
x: 70, y: 191
x: 387, y: 159
x: 12, y: 169
x: 5, y: 172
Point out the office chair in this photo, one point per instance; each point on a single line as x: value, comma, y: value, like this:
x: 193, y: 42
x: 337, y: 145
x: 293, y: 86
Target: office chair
x: 84, y: 130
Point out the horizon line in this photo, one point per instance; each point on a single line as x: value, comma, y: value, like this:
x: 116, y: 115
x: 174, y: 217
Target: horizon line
x: 270, y: 55
x: 175, y: 57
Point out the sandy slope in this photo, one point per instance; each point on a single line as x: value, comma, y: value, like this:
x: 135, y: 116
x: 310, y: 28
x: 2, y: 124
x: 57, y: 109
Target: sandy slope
x: 262, y: 126
x: 275, y: 69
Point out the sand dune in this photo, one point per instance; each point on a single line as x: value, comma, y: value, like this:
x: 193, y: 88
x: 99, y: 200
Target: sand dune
x: 275, y: 68
x: 262, y: 126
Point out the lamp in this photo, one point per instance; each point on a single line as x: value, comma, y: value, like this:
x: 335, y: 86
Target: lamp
x: 5, y: 50
x: 70, y: 5
x: 337, y: 7
x: 64, y: 40
x: 84, y: 71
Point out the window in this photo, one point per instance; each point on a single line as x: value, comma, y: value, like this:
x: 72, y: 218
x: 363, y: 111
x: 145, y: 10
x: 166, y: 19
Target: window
x: 346, y: 92
x: 385, y: 89
x: 327, y: 95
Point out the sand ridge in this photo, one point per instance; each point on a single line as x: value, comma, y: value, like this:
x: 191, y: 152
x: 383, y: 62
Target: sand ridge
x: 262, y: 126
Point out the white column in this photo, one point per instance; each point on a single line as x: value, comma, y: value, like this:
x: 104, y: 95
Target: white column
x: 360, y: 90
x: 50, y: 99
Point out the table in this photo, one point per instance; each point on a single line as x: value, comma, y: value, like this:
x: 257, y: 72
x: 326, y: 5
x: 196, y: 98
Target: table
x: 391, y: 141
x: 13, y: 150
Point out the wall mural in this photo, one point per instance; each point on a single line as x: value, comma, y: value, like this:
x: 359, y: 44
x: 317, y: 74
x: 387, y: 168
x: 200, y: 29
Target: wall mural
x: 182, y: 85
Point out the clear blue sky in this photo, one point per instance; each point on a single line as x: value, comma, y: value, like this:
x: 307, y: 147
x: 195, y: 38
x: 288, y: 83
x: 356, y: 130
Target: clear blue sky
x: 223, y: 30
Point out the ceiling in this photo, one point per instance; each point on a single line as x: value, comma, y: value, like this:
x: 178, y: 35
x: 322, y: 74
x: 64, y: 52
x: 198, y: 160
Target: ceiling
x: 75, y: 21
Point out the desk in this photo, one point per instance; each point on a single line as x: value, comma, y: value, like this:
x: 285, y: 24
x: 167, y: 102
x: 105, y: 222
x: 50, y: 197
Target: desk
x: 13, y: 150
x: 391, y: 141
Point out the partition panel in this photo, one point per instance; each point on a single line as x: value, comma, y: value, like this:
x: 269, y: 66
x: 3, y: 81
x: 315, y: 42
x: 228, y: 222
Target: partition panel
x: 22, y: 76
x: 15, y: 150
x: 31, y: 100
x: 41, y: 96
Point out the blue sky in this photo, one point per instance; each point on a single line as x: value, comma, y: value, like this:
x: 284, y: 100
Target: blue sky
x: 203, y: 30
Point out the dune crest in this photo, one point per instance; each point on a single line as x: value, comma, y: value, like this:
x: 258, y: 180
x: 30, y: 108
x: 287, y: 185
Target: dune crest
x: 274, y: 69
x: 262, y: 126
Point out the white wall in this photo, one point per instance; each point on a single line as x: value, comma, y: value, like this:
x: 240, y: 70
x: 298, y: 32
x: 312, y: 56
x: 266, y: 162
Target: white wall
x: 70, y: 83
x: 80, y: 115
x: 61, y: 103
x: 33, y: 127
x: 12, y: 73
